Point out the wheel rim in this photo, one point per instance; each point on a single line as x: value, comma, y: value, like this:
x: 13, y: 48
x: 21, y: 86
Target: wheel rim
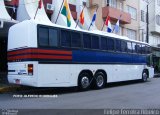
x: 100, y: 80
x: 85, y: 82
x: 144, y: 77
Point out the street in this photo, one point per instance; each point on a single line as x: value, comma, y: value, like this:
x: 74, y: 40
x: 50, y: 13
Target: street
x: 130, y: 95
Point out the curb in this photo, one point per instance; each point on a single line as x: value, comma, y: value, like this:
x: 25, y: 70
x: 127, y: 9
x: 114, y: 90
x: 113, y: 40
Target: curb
x: 8, y: 89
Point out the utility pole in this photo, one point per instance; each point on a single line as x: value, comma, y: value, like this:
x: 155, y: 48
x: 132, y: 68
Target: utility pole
x: 147, y: 27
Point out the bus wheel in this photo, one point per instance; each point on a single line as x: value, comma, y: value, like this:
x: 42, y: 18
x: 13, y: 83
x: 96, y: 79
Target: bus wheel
x: 144, y: 76
x: 84, y: 81
x: 100, y: 80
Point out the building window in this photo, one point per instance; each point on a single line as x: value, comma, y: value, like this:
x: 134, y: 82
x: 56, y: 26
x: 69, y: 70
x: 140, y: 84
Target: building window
x: 158, y: 2
x: 158, y: 19
x: 133, y: 12
x: 112, y: 3
x: 121, y: 6
x: 142, y: 16
x: 131, y: 34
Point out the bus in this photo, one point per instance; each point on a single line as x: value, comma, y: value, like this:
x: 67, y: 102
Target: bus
x: 42, y: 55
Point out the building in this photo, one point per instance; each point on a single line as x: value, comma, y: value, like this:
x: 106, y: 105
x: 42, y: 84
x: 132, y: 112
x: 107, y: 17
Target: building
x: 154, y: 22
x: 154, y: 31
x: 129, y: 21
x: 143, y: 21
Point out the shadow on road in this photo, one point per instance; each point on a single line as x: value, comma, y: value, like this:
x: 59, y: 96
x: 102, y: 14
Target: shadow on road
x: 59, y: 91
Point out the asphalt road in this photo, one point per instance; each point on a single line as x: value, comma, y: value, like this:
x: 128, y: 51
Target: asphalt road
x: 128, y: 95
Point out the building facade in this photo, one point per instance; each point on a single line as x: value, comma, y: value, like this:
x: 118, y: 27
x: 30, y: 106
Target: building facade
x: 154, y: 31
x: 154, y: 22
x: 129, y: 11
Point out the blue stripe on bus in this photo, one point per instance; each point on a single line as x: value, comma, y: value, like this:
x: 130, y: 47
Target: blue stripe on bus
x: 106, y: 57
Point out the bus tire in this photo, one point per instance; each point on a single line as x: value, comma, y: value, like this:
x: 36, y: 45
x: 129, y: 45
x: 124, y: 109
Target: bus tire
x: 100, y: 80
x: 144, y: 76
x: 84, y: 81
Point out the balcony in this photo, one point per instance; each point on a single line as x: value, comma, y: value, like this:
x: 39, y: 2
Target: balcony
x: 115, y: 13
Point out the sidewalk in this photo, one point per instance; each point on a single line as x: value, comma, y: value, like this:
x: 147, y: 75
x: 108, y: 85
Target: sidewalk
x: 5, y: 86
x: 156, y: 75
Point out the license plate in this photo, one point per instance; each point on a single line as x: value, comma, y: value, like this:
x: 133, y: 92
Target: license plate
x: 17, y: 81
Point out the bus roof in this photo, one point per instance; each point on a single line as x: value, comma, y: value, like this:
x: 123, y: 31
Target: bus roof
x: 96, y: 32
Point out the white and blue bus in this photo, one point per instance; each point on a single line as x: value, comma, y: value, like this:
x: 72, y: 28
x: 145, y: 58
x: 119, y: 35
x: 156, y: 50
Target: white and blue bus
x: 54, y: 56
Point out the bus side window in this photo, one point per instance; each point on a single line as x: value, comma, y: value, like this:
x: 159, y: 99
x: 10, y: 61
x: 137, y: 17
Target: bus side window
x: 129, y: 47
x: 110, y: 44
x: 95, y: 42
x: 147, y: 49
x: 124, y: 46
x: 76, y: 39
x: 43, y: 36
x: 143, y: 49
x: 103, y: 43
x: 86, y: 41
x: 53, y: 37
x: 134, y: 47
x: 139, y: 48
x: 65, y: 38
x: 118, y: 45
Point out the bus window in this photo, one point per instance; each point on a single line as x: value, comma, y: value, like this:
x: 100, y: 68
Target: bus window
x: 95, y: 42
x: 65, y: 38
x: 118, y: 45
x: 124, y: 46
x: 143, y: 49
x: 86, y: 41
x: 129, y: 47
x: 134, y: 47
x: 139, y: 48
x: 147, y: 49
x: 43, y: 36
x: 103, y: 43
x: 76, y: 39
x: 53, y: 37
x: 110, y: 44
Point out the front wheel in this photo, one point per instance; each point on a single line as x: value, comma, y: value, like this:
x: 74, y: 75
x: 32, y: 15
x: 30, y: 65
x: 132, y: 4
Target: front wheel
x: 144, y: 76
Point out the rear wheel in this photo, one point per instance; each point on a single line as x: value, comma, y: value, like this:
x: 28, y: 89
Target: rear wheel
x: 144, y: 76
x: 100, y: 80
x: 84, y: 81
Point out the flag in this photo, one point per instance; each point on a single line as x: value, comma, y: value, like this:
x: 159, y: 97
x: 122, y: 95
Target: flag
x: 108, y: 24
x: 65, y: 12
x: 40, y: 4
x: 81, y: 18
x: 117, y: 25
x: 94, y: 18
